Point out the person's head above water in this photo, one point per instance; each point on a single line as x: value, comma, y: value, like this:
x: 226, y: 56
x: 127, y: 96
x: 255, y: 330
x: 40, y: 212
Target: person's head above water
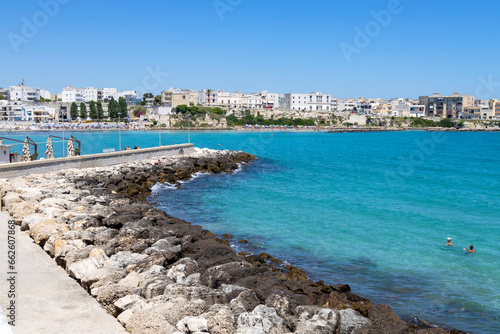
x: 449, y: 239
x: 471, y: 247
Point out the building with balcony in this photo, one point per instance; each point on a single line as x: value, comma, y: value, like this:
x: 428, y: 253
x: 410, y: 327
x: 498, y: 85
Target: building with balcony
x: 22, y: 92
x: 316, y: 101
x: 446, y: 105
x: 174, y: 97
x: 71, y: 94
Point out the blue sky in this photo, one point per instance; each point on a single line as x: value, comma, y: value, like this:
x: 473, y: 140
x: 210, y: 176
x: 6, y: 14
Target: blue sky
x: 282, y: 46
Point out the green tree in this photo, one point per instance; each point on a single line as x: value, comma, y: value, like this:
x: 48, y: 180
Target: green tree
x: 100, y: 111
x: 158, y: 100
x: 183, y: 109
x: 93, y: 110
x: 113, y: 109
x: 445, y: 123
x: 2, y: 97
x: 73, y: 111
x: 83, y: 111
x: 123, y: 107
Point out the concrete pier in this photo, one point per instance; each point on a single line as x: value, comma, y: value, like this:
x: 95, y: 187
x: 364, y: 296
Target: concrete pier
x: 12, y: 170
x: 47, y: 300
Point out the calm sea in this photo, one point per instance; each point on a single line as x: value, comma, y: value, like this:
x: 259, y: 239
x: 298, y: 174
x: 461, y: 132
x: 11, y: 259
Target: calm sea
x: 369, y: 209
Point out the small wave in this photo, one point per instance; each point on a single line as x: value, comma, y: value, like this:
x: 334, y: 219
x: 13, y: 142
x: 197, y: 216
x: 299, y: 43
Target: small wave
x: 239, y: 169
x: 193, y: 177
x: 162, y: 186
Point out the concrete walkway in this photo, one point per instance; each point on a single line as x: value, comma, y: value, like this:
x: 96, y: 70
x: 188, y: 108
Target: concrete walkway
x: 47, y: 299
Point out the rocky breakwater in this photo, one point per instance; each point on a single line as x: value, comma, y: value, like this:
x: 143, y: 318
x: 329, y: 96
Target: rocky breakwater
x: 159, y: 274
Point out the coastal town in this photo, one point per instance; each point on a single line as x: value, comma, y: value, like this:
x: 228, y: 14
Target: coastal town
x: 174, y: 108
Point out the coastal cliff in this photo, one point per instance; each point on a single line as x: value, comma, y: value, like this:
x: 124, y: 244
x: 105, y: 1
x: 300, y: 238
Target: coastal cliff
x: 159, y: 274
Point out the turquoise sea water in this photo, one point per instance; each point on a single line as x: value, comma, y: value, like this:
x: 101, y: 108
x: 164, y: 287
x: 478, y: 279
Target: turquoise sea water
x: 369, y: 209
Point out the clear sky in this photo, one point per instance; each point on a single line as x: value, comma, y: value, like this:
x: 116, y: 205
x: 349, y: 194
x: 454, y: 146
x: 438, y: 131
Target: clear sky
x: 412, y: 48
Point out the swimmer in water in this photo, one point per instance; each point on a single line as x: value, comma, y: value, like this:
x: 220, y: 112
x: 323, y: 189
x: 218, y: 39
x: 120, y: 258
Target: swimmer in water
x: 471, y: 249
x: 448, y: 243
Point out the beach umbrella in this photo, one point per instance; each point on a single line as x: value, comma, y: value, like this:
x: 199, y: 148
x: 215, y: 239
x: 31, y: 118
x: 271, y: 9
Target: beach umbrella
x: 50, y: 150
x: 71, y: 148
x: 26, y: 150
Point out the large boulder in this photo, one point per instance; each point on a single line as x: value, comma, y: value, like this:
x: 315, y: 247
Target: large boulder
x: 125, y: 259
x: 192, y: 325
x: 43, y: 230
x: 262, y: 320
x: 350, y: 321
x: 210, y: 296
x: 316, y: 320
x: 221, y: 319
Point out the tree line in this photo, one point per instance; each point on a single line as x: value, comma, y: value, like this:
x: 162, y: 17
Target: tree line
x: 96, y: 111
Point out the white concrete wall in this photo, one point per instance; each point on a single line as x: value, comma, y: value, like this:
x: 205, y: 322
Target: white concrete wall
x: 13, y: 170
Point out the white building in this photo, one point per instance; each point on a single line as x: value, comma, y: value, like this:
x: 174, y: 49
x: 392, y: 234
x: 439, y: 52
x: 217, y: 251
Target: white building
x: 22, y: 92
x: 90, y: 94
x: 208, y: 98
x: 108, y: 93
x: 71, y: 94
x: 130, y: 96
x: 271, y: 100
x: 229, y: 100
x: 402, y: 107
x: 315, y: 101
x: 11, y: 110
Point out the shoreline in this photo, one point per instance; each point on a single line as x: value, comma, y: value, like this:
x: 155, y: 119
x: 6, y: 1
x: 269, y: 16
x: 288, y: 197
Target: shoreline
x: 208, y: 268
x: 260, y: 129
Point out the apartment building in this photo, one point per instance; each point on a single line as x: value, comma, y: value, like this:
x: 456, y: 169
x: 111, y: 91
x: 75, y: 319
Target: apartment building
x: 90, y: 94
x: 22, y: 92
x: 208, y: 97
x: 107, y: 94
x: 446, y: 105
x: 130, y: 96
x: 315, y: 101
x: 407, y: 108
x: 174, y: 97
x: 383, y: 109
x: 229, y: 100
x: 270, y: 100
x: 11, y: 110
x: 71, y: 94
x: 496, y: 107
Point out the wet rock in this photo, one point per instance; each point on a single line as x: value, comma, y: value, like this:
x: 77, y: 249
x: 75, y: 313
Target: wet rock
x: 384, y: 320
